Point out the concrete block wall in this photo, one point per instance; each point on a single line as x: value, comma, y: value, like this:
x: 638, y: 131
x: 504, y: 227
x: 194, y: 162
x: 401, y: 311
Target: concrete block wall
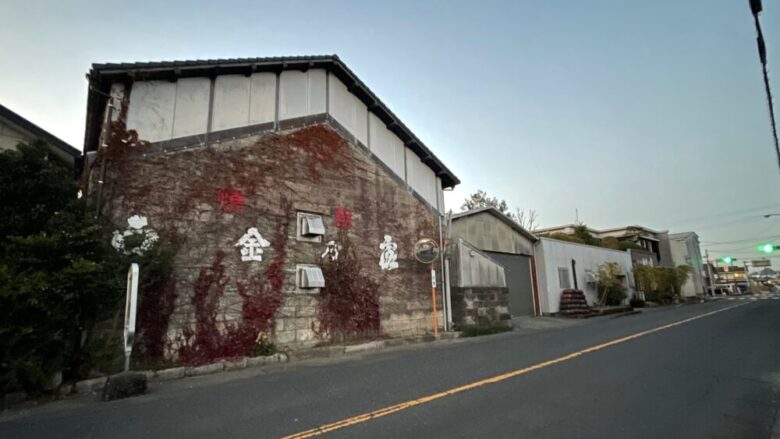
x: 480, y: 306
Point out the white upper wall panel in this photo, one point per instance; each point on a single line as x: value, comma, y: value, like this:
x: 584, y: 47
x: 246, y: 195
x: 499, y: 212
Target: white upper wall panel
x: 348, y: 110
x: 191, y: 115
x: 420, y: 177
x: 262, y: 103
x: 301, y: 93
x: 386, y: 145
x: 231, y: 102
x: 150, y: 111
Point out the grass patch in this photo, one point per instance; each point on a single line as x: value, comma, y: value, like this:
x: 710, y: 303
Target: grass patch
x: 477, y: 331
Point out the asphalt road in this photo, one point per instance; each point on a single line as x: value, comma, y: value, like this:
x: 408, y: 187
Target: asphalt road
x: 716, y: 375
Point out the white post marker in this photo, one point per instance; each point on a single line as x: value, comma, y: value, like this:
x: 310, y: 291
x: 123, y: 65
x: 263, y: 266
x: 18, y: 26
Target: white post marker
x: 433, y: 278
x: 131, y: 302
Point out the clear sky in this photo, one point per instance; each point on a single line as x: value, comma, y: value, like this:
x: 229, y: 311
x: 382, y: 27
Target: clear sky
x: 631, y: 111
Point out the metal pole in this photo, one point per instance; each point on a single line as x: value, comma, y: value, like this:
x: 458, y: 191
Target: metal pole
x: 710, y: 279
x: 434, y: 315
x: 447, y: 295
x: 443, y: 277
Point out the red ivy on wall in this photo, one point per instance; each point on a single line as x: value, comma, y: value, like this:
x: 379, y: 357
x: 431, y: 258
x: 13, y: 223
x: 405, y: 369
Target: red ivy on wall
x: 230, y: 200
x: 154, y: 314
x: 343, y: 218
x: 349, y: 302
x: 262, y: 295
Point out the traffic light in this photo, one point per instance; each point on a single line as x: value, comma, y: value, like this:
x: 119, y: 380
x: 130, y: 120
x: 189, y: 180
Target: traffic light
x: 767, y: 248
x: 727, y: 259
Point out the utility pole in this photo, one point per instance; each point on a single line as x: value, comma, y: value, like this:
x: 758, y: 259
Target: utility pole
x: 711, y: 280
x: 755, y: 9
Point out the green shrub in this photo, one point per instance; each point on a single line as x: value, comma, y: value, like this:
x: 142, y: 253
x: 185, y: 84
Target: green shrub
x: 625, y: 245
x: 59, y: 277
x: 662, y: 284
x: 476, y: 331
x: 611, y: 285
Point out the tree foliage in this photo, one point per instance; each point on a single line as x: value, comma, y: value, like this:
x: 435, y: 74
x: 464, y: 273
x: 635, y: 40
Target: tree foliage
x: 59, y: 276
x: 610, y: 282
x: 662, y: 284
x: 480, y: 199
x: 527, y: 219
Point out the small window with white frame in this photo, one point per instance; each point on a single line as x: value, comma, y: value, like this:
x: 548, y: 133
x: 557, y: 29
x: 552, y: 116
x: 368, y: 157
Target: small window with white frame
x: 309, y: 277
x: 564, y: 281
x: 311, y: 228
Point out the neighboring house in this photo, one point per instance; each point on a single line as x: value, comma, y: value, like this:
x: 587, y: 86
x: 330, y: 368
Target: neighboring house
x: 562, y: 265
x: 15, y: 129
x: 651, y: 241
x: 264, y: 170
x: 686, y: 251
x: 727, y: 276
x: 508, y: 243
x: 640, y: 256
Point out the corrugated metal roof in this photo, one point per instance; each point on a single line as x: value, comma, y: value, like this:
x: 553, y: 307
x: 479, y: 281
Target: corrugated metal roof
x: 101, y: 77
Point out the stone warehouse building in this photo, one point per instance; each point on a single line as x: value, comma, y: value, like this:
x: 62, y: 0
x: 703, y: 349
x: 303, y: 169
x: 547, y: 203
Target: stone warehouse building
x: 291, y: 195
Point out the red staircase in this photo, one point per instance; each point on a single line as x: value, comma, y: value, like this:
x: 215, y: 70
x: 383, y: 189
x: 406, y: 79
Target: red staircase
x: 573, y: 304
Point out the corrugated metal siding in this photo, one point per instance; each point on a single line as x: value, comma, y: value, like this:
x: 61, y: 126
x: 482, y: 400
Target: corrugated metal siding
x: 556, y: 254
x: 491, y: 234
x: 475, y: 269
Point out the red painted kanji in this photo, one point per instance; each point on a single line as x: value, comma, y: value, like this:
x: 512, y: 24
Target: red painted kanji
x: 343, y: 218
x: 230, y: 200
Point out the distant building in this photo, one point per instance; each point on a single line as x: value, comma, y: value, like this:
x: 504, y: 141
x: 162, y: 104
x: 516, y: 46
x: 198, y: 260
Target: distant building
x: 15, y: 129
x: 685, y: 251
x: 655, y: 242
x: 563, y: 265
x: 726, y: 276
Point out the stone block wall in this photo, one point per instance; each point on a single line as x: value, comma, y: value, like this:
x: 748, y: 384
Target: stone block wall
x: 202, y: 200
x: 486, y: 306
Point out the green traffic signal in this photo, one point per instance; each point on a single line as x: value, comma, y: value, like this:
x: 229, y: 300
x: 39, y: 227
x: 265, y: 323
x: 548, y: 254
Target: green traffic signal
x: 727, y: 259
x: 766, y: 248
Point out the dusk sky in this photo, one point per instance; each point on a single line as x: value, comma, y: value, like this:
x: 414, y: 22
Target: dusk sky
x: 632, y: 112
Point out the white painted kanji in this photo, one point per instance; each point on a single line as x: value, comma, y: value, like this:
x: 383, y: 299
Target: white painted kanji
x: 331, y: 251
x: 252, y: 244
x: 387, y: 260
x: 136, y: 225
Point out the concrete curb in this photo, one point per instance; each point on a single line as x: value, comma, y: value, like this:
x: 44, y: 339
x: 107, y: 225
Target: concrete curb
x: 95, y: 385
x: 371, y: 346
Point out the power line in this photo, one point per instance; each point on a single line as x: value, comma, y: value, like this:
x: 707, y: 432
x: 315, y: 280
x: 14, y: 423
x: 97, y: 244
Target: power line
x: 726, y: 214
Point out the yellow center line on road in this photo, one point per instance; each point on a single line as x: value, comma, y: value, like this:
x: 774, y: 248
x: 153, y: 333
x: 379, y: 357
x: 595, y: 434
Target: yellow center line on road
x: 495, y: 379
